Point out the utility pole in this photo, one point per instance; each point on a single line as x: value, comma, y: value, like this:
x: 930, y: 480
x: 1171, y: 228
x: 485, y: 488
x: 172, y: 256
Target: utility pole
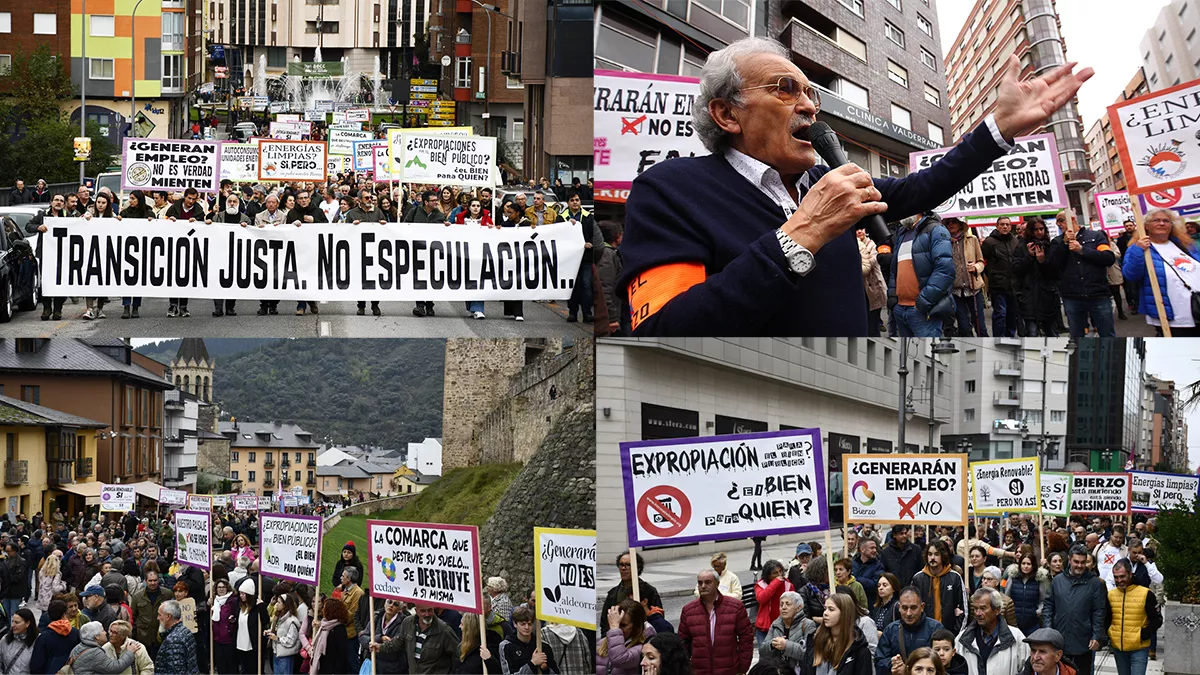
x: 133, y: 72
x: 903, y: 372
x: 83, y: 75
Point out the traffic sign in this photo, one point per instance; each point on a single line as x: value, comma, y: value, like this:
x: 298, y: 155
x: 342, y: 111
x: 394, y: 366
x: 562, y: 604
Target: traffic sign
x: 417, y: 82
x: 425, y: 89
x: 426, y: 97
x: 441, y: 123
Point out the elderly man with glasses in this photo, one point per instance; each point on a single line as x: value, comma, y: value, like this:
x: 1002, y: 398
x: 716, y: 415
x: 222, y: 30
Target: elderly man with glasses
x: 778, y: 255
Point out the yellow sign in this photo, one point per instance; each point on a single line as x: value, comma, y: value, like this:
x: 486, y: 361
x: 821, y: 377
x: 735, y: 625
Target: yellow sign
x: 423, y: 97
x: 423, y: 83
x: 83, y: 149
x: 442, y: 116
x: 442, y: 104
x: 441, y: 123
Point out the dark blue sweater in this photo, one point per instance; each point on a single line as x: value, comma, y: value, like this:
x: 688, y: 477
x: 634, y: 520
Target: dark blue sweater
x: 52, y: 651
x: 700, y: 209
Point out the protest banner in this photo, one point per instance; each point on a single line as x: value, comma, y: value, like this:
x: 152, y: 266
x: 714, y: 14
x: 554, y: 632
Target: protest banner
x: 640, y: 120
x: 338, y: 117
x: 1182, y: 200
x: 244, y: 502
x: 1152, y: 491
x: 364, y: 153
x: 382, y: 166
x: 335, y: 164
x: 443, y: 159
x: 1005, y: 485
x: 200, y: 502
x: 341, y: 141
x: 1100, y: 493
x: 316, y: 262
x: 193, y: 536
x: 1114, y: 209
x: 906, y: 488
x: 168, y: 497
x: 287, y: 117
x: 291, y: 547
x: 686, y: 490
x: 220, y: 501
x: 265, y: 502
x: 314, y: 115
x: 166, y: 164
x: 564, y: 572
x: 1056, y: 494
x: 291, y: 160
x: 395, y: 139
x: 239, y: 162
x: 358, y: 115
x: 426, y: 564
x: 118, y: 498
x: 278, y: 106
x: 1026, y: 180
x: 286, y: 131
x: 1154, y: 135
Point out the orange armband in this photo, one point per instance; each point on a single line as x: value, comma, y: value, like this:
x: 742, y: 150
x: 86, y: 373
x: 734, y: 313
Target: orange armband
x: 654, y: 288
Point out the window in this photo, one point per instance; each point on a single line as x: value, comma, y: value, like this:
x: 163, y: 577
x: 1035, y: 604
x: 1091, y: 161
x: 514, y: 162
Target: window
x: 172, y: 31
x: 253, y: 457
x: 902, y: 117
x: 897, y: 74
x: 855, y: 6
x: 928, y: 59
x: 894, y: 34
x: 969, y: 387
x: 31, y: 394
x: 1031, y: 417
x: 5, y: 22
x: 1183, y: 10
x: 233, y: 456
x: 1162, y: 36
x: 871, y: 356
x: 971, y: 356
x: 276, y: 57
x: 1169, y: 59
x: 1153, y: 78
x: 969, y: 415
x: 622, y: 44
x: 736, y: 11
x: 101, y: 26
x: 924, y: 25
x: 933, y: 95
x: 1190, y: 35
x: 852, y: 351
x: 462, y: 79
x: 172, y: 78
x: 936, y: 134
x: 1058, y: 416
x: 45, y: 24
x: 890, y: 168
x: 1146, y: 57
x: 252, y: 478
x: 1031, y: 386
x: 326, y: 27
x: 896, y: 4
x: 5, y: 68
x: 100, y: 69
x: 234, y: 475
x: 297, y: 458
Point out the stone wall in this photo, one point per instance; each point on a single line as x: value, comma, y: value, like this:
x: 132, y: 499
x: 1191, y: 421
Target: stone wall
x: 515, y: 429
x: 557, y: 488
x: 212, y: 456
x: 368, y: 507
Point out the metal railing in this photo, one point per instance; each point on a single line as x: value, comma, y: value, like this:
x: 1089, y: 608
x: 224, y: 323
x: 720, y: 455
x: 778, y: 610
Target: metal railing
x: 16, y: 472
x: 1007, y: 397
x: 1008, y: 368
x: 83, y: 467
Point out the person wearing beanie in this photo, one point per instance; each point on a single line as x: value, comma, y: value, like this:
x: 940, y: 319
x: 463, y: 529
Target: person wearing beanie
x: 349, y: 559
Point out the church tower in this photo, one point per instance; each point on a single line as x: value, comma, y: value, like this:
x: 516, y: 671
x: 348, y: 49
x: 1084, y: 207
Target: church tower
x: 192, y: 368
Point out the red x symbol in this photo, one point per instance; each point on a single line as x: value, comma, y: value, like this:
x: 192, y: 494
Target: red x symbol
x: 907, y: 508
x: 629, y: 126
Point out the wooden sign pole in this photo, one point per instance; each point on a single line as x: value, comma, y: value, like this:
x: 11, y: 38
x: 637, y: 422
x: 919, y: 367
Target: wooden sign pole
x: 1136, y: 205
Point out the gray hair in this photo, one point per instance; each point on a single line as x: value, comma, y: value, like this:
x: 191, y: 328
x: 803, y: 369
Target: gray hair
x: 351, y: 572
x: 708, y: 570
x: 497, y: 584
x: 721, y: 79
x: 793, y: 597
x: 989, y: 594
x: 91, y: 630
x: 172, y: 608
x: 243, y: 562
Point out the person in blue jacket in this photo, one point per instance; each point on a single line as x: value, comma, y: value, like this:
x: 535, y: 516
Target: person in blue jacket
x: 1167, y: 240
x: 913, y: 630
x: 921, y: 277
x: 867, y: 567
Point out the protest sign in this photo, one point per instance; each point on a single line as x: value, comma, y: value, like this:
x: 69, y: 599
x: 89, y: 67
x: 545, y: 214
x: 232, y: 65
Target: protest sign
x: 1026, y: 180
x: 193, y: 535
x: 279, y: 106
x: 316, y: 262
x: 291, y: 160
x: 314, y: 115
x: 382, y: 166
x: 187, y: 614
x: 168, y: 497
x: 564, y: 572
x: 1056, y: 494
x: 291, y: 547
x: 220, y: 501
x: 341, y: 141
x: 264, y: 502
x: 395, y: 139
x: 444, y: 159
x: 339, y: 117
x: 239, y: 162
x: 1005, y: 485
x: 427, y: 564
x: 1182, y: 200
x: 286, y: 131
x: 906, y: 488
x: 287, y: 117
x: 118, y: 498
x: 358, y: 115
x: 685, y: 490
x: 640, y: 120
x: 1113, y: 208
x: 1155, y: 138
x: 1153, y: 491
x: 165, y: 164
x: 243, y: 502
x: 1100, y: 493
x: 335, y: 164
x: 200, y: 502
x: 364, y: 153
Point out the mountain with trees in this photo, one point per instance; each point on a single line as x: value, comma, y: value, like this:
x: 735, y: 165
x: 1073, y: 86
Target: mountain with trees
x: 218, y: 348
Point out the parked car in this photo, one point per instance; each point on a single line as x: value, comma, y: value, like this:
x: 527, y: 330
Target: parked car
x: 244, y: 131
x: 20, y: 278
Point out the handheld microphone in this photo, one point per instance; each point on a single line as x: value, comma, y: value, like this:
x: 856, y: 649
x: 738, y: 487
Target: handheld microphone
x: 826, y: 143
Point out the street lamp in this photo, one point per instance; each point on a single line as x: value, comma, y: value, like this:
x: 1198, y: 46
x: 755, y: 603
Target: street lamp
x: 133, y: 71
x: 487, y: 72
x: 902, y: 409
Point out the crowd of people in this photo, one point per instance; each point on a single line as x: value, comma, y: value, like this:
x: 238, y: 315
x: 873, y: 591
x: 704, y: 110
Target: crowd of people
x: 993, y: 598
x: 345, y: 198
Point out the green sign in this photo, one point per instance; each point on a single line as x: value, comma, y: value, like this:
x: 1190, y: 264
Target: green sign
x: 316, y: 69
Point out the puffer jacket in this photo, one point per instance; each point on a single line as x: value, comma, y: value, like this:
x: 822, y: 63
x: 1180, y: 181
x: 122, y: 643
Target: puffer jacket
x: 1082, y: 274
x: 622, y: 659
x: 933, y: 263
x: 1034, y: 285
x: 732, y: 650
x: 999, y: 251
x: 1007, y: 656
x: 919, y: 635
x: 872, y: 274
x: 1028, y: 596
x: 1114, y: 277
x: 1076, y: 607
x: 796, y: 637
x: 856, y: 660
x: 89, y: 658
x: 287, y: 630
x: 867, y: 573
x: 1134, y: 269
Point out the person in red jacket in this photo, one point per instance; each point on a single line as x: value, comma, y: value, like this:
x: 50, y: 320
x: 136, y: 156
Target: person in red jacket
x: 767, y: 591
x: 716, y: 630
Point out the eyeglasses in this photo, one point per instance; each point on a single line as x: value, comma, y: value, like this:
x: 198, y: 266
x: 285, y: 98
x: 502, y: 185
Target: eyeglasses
x: 1160, y: 220
x: 623, y: 566
x: 790, y: 90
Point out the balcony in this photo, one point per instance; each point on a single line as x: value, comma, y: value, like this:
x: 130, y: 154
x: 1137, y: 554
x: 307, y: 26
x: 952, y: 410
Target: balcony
x: 268, y: 482
x: 16, y: 472
x: 83, y: 467
x: 1006, y: 426
x: 285, y: 479
x: 1009, y: 342
x: 1008, y: 369
x: 59, y: 472
x: 311, y: 482
x: 269, y: 463
x: 285, y: 463
x: 1006, y: 398
x: 311, y: 463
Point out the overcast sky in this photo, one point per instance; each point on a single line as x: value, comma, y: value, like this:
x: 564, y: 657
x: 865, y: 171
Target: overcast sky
x: 1087, y: 27
x: 1178, y: 360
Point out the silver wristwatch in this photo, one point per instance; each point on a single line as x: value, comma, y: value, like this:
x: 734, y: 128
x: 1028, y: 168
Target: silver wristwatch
x: 800, y: 259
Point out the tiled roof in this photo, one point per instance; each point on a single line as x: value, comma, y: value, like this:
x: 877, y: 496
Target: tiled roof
x: 72, y: 355
x: 16, y: 411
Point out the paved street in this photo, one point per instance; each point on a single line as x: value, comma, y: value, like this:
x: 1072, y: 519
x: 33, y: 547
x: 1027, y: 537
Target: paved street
x: 336, y: 319
x: 1133, y: 326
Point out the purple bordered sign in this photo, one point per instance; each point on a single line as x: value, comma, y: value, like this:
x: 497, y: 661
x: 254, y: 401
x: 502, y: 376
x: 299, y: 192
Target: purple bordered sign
x: 425, y: 563
x: 291, y: 547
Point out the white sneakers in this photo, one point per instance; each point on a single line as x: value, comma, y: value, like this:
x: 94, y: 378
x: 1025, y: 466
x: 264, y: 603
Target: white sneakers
x: 478, y: 315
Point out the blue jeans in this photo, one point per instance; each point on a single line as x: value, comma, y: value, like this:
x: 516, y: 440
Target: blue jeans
x: 352, y: 662
x: 1099, y: 310
x: 137, y: 302
x: 282, y: 665
x: 1131, y: 663
x: 474, y: 305
x: 1005, y: 314
x: 581, y: 294
x: 759, y: 636
x: 969, y: 315
x: 11, y: 607
x: 911, y: 323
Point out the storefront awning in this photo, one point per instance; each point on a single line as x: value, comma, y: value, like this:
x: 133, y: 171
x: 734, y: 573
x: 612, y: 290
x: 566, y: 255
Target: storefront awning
x: 91, y: 490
